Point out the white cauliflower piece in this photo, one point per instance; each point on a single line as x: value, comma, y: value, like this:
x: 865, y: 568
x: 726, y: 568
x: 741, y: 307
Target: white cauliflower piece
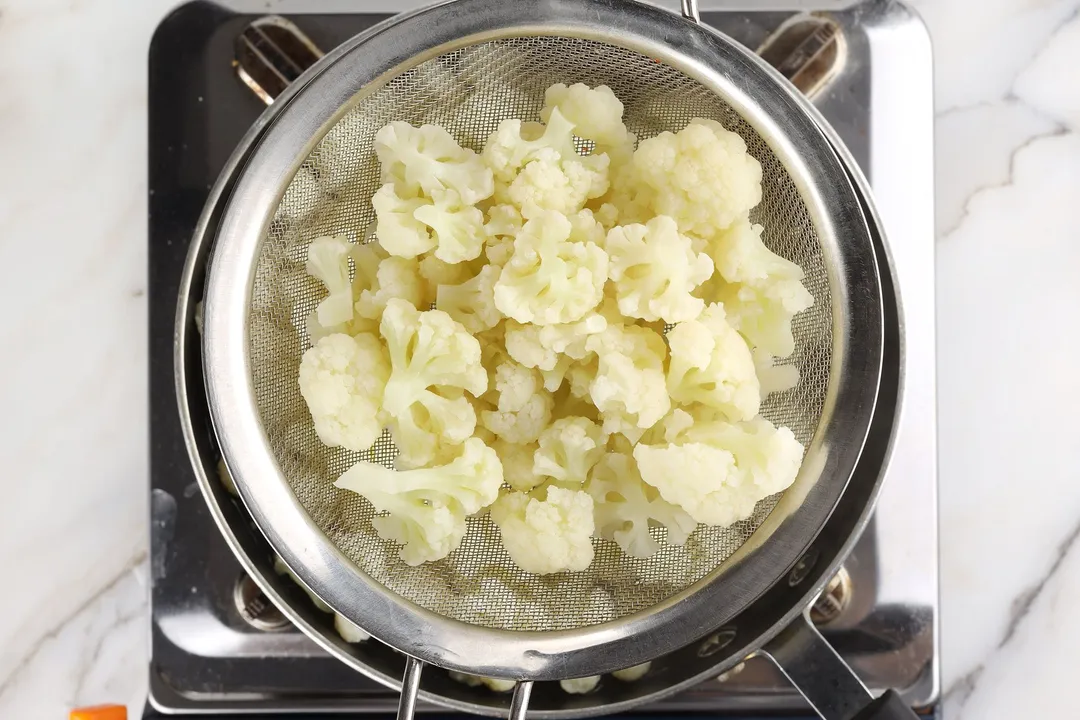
x: 595, y: 112
x: 472, y: 303
x: 632, y: 674
x: 342, y: 379
x: 569, y: 448
x: 629, y: 387
x: 624, y: 507
x: 773, y: 378
x: 580, y: 686
x: 429, y: 160
x: 711, y: 364
x: 432, y: 359
x: 503, y: 221
x: 546, y: 536
x: 328, y: 260
x: 702, y: 176
x: 438, y: 272
x: 517, y: 462
x: 458, y: 229
x: 549, y: 279
x: 584, y: 227
x: 395, y: 278
x: 552, y: 348
x: 510, y: 147
x: 523, y: 408
x: 654, y: 269
x: 717, y: 472
x: 349, y: 631
x: 549, y: 182
x: 740, y: 256
x: 427, y: 507
x: 493, y: 684
x: 400, y: 233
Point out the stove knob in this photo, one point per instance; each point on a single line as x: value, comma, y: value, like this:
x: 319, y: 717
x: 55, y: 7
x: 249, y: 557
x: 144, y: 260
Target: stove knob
x: 833, y: 600
x: 808, y: 50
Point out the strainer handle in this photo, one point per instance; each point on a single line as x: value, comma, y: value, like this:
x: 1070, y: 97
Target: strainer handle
x: 410, y: 688
x: 825, y: 680
x: 519, y: 703
x: 690, y: 10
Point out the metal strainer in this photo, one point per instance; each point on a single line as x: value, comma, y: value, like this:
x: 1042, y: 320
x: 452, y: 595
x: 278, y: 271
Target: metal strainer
x: 466, y: 65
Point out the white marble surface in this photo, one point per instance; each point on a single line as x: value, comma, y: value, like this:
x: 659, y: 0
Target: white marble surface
x: 72, y: 228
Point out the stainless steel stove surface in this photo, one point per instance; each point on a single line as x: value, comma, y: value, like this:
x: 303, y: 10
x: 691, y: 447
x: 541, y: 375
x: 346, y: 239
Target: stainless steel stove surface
x: 217, y: 650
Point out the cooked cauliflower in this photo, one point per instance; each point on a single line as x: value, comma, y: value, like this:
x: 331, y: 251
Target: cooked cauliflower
x: 438, y: 272
x: 546, y: 536
x: 328, y: 260
x: 629, y: 388
x: 511, y: 146
x: 395, y: 278
x: 711, y: 364
x: 773, y: 378
x: 342, y: 379
x: 400, y: 233
x: 493, y: 684
x: 762, y: 312
x: 432, y: 359
x: 595, y: 112
x: 517, y: 462
x: 429, y: 160
x: 472, y: 303
x: 702, y: 176
x: 568, y: 450
x: 349, y: 631
x: 457, y: 229
x: 550, y: 182
x: 523, y: 408
x: 655, y: 269
x: 552, y: 348
x: 580, y: 686
x: 427, y: 507
x: 549, y: 279
x: 717, y: 472
x: 625, y: 507
x: 632, y: 674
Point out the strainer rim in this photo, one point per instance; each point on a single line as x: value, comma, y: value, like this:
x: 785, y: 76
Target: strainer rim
x: 709, y: 59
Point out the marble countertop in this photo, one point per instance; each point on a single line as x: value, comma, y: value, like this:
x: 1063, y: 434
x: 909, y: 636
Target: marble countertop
x: 73, y: 209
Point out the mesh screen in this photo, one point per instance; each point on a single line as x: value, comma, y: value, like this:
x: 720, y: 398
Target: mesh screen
x: 468, y: 91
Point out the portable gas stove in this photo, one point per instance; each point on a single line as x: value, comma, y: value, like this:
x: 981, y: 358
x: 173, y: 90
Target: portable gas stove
x: 219, y: 648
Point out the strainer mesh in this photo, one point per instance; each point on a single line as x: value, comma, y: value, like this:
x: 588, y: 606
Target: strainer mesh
x: 468, y: 91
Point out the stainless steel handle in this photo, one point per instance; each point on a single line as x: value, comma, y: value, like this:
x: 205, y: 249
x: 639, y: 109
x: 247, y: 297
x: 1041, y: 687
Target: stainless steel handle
x: 519, y: 704
x: 690, y: 10
x: 410, y: 688
x: 825, y: 680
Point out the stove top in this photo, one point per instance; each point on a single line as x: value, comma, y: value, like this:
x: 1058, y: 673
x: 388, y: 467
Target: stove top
x: 867, y: 67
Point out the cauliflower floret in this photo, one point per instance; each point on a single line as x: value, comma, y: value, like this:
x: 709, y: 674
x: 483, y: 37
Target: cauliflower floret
x: 328, y: 260
x: 472, y: 303
x: 349, y: 631
x: 432, y: 359
x: 400, y: 233
x: 595, y: 112
x: 493, y: 684
x: 711, y: 364
x: 552, y: 348
x: 438, y: 272
x: 429, y: 160
x: 717, y: 472
x: 584, y: 227
x: 740, y: 256
x: 546, y: 536
x: 458, y: 230
x: 523, y: 407
x: 510, y: 147
x: 702, y: 176
x: 632, y: 674
x: 517, y: 462
x: 655, y: 269
x: 342, y: 379
x: 773, y: 378
x: 762, y: 312
x: 504, y: 221
x: 580, y: 686
x: 629, y: 388
x: 427, y: 507
x: 624, y: 507
x: 549, y: 279
x: 549, y: 182
x: 395, y: 278
x: 568, y: 450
